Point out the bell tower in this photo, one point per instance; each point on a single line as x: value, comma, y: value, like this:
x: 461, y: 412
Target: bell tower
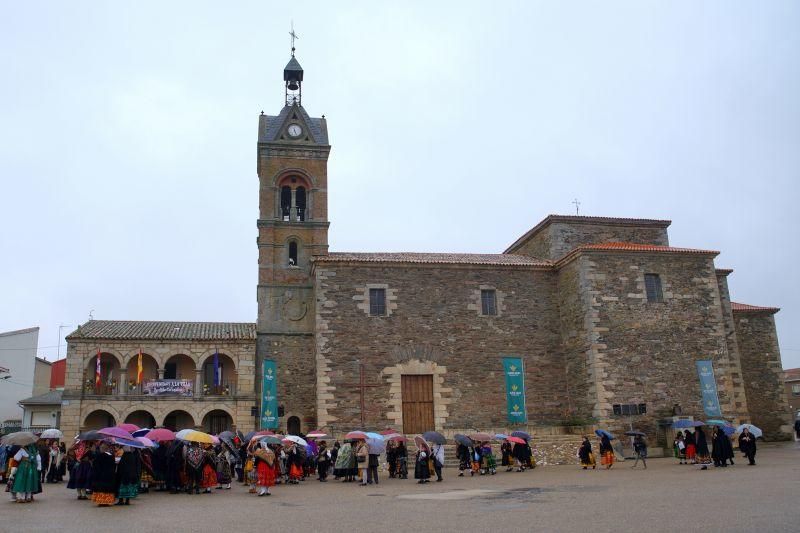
x: 292, y: 165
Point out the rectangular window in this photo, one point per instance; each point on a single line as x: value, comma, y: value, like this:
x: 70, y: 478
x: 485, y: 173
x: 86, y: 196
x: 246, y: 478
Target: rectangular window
x: 377, y: 302
x: 796, y: 390
x: 652, y: 283
x: 488, y: 302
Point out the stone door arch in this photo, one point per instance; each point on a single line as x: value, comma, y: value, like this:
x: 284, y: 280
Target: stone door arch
x: 441, y: 394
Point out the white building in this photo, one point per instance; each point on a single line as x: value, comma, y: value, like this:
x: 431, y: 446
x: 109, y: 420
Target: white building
x: 17, y: 369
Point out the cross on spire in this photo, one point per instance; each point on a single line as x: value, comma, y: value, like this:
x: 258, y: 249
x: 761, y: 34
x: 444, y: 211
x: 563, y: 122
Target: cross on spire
x: 577, y: 206
x: 294, y: 36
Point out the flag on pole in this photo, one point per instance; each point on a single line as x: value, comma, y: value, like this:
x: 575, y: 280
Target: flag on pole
x: 139, y: 369
x: 216, y: 369
x: 98, y: 379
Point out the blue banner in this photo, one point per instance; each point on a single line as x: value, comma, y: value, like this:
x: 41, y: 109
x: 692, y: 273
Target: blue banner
x: 269, y: 396
x: 515, y: 389
x: 708, y: 388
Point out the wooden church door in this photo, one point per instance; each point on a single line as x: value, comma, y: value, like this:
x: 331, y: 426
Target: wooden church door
x: 417, y: 393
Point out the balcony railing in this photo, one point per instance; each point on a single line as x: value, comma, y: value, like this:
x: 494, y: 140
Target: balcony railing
x: 226, y: 389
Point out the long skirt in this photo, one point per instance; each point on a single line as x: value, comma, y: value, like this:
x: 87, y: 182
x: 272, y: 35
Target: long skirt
x: 103, y: 498
x: 295, y: 471
x: 130, y: 490
x: 209, y: 477
x: 589, y: 461
x: 223, y: 472
x: 265, y: 474
x: 490, y: 461
x: 691, y: 452
x: 476, y: 466
x: 27, y: 478
x: 81, y: 476
x: 607, y: 459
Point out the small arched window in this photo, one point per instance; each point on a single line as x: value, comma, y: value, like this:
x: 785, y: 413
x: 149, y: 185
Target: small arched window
x: 293, y: 253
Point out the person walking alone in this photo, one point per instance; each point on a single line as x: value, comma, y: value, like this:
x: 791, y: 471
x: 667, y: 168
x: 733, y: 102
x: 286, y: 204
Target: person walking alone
x: 640, y: 448
x: 747, y: 443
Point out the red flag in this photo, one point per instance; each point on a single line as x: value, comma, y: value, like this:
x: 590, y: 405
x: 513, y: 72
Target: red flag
x: 98, y: 380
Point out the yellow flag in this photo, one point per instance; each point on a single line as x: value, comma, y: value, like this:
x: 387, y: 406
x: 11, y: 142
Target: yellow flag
x: 139, y: 370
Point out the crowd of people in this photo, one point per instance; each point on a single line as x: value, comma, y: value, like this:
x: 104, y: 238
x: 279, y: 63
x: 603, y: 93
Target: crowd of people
x: 109, y: 472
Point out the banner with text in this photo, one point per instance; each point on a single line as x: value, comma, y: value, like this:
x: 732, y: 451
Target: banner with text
x: 515, y: 389
x: 167, y: 387
x: 269, y: 396
x: 708, y: 388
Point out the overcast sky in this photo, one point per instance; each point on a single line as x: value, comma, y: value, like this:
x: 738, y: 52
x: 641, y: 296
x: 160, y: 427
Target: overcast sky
x: 128, y: 136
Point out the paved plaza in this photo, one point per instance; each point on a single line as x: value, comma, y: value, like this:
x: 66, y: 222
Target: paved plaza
x: 665, y: 497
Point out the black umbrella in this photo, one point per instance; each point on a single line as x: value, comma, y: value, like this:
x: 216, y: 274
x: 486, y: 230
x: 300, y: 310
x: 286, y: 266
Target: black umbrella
x: 635, y: 434
x: 521, y: 435
x: 434, y: 437
x: 91, y: 435
x: 462, y: 439
x: 249, y: 436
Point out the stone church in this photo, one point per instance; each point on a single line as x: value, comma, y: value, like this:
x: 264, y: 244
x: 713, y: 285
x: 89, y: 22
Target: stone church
x: 603, y: 320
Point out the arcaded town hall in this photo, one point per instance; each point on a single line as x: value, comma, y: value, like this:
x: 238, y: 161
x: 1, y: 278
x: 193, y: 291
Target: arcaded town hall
x: 602, y: 320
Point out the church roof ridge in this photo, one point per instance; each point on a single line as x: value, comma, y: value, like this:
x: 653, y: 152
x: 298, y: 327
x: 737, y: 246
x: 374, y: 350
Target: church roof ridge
x: 433, y: 258
x: 274, y: 123
x: 737, y: 307
x: 164, y: 330
x: 614, y: 221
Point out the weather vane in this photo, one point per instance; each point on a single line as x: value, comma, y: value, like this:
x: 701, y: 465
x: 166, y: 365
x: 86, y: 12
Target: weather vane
x: 294, y: 36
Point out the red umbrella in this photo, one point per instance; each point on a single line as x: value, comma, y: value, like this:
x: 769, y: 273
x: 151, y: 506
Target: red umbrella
x: 516, y: 440
x: 130, y: 428
x: 395, y: 436
x: 116, y: 432
x: 160, y: 435
x: 388, y: 431
x: 263, y: 432
x: 422, y: 444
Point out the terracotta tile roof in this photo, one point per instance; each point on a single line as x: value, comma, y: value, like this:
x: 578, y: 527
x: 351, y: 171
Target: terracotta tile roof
x: 792, y: 374
x: 433, y: 258
x: 608, y: 221
x: 158, y: 330
x: 745, y: 308
x: 630, y: 247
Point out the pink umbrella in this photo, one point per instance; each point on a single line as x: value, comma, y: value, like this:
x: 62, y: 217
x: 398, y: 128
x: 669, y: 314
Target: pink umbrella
x: 214, y: 439
x: 147, y: 442
x: 357, y: 435
x: 116, y: 432
x: 130, y: 428
x: 160, y: 435
x: 515, y: 440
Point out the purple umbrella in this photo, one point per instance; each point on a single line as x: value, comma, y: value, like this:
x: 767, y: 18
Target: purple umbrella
x: 117, y: 433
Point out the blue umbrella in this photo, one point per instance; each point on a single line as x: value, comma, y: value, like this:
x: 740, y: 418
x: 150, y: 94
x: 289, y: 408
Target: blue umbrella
x: 500, y: 436
x: 728, y: 429
x: 376, y: 443
x: 127, y: 442
x: 601, y: 432
x: 716, y: 422
x: 521, y: 434
x: 141, y: 432
x: 682, y: 424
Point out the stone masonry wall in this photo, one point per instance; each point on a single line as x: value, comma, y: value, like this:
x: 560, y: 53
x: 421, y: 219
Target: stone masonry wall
x: 740, y: 408
x: 435, y: 326
x: 763, y: 374
x: 560, y: 238
x: 645, y: 352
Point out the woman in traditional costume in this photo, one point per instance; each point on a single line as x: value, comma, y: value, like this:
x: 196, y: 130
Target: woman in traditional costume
x: 27, y: 476
x: 489, y: 462
x: 80, y: 477
x: 475, y: 455
x: 703, y: 457
x: 691, y: 447
x: 208, y: 476
x: 421, y: 470
x: 104, y: 471
x: 506, y: 459
x: 342, y: 468
x: 225, y: 460
x: 402, y: 460
x: 129, y: 475
x: 679, y: 448
x: 586, y: 455
x: 296, y: 460
x: 266, y: 468
x: 606, y: 452
x: 462, y: 454
x: 195, y: 460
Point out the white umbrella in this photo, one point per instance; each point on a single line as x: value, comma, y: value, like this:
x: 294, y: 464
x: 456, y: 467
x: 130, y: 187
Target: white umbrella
x: 753, y: 429
x: 182, y: 434
x: 51, y: 433
x: 295, y: 439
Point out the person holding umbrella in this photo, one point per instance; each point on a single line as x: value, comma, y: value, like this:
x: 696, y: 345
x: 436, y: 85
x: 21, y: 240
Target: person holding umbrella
x: 640, y: 449
x: 104, y: 476
x: 421, y: 470
x: 747, y: 444
x: 691, y: 447
x: 266, y: 468
x: 402, y: 460
x: 462, y: 453
x: 505, y: 452
x: 323, y: 461
x: 128, y: 475
x: 703, y: 456
x: 606, y: 451
x: 362, y: 460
